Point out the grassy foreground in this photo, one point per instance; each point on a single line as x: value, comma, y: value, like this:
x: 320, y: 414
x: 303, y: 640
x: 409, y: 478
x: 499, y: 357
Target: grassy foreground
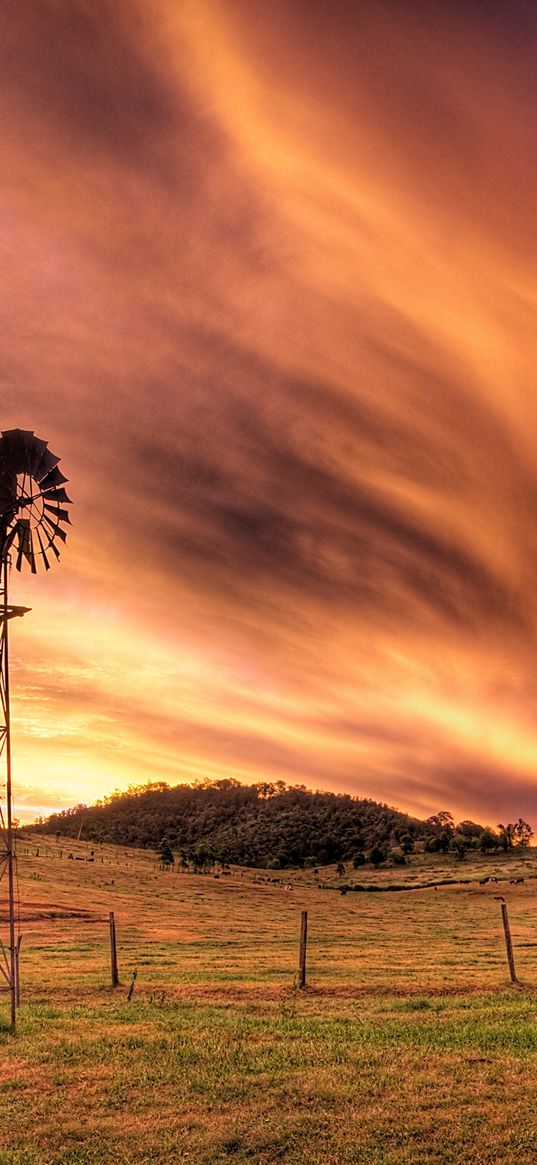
x: 409, y: 1044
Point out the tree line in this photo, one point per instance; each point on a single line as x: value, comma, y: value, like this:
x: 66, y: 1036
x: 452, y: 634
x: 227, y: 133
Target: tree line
x: 270, y: 825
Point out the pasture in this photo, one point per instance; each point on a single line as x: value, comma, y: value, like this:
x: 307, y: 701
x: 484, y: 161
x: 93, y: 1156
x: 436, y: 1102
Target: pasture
x: 409, y: 1045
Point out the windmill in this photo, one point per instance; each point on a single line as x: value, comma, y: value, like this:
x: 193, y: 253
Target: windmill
x: 32, y: 517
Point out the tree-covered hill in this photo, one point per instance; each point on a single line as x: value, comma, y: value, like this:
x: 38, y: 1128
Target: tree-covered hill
x: 263, y: 825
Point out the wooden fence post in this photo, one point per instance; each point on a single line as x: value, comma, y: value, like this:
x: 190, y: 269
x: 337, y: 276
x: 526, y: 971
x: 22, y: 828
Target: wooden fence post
x: 508, y: 943
x: 303, y: 945
x: 113, y: 951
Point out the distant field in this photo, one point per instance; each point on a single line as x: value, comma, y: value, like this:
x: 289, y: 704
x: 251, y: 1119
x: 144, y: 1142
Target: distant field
x: 409, y: 1044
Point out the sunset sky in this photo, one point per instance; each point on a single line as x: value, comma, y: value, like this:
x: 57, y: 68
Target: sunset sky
x: 268, y: 288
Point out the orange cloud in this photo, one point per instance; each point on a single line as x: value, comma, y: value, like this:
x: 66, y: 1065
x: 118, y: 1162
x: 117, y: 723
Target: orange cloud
x: 269, y: 290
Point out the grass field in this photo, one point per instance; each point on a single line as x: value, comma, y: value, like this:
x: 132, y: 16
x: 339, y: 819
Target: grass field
x: 408, y: 1045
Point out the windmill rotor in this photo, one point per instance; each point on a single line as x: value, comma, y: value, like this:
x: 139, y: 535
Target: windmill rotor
x: 33, y: 518
x: 32, y: 499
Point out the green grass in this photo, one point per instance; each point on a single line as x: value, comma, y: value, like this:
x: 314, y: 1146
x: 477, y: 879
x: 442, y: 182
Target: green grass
x: 390, y: 1079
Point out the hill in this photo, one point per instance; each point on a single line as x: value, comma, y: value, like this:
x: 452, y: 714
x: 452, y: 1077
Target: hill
x: 264, y: 825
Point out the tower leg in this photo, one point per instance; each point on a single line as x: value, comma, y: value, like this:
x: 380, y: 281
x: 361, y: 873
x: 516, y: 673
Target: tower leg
x: 5, y: 747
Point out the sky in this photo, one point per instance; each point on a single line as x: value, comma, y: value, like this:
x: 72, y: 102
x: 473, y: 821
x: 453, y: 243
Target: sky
x: 268, y: 290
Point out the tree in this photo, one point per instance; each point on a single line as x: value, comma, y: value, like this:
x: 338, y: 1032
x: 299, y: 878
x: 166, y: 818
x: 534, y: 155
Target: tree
x: 376, y: 856
x: 444, y: 838
x: 265, y: 790
x: 522, y: 834
x: 470, y: 829
x: 432, y: 845
x: 203, y: 856
x: 488, y: 841
x: 506, y: 835
x: 459, y: 843
x: 340, y: 869
x: 517, y: 833
x: 443, y: 828
x: 442, y: 820
x: 407, y: 843
x: 165, y: 853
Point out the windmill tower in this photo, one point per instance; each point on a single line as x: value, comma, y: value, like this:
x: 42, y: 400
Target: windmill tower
x: 32, y: 497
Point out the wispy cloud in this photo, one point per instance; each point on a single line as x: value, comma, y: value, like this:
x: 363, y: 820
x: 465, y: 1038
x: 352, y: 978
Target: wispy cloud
x: 269, y: 289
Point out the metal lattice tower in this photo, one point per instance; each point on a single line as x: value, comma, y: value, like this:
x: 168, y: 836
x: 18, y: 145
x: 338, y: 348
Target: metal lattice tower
x: 32, y: 497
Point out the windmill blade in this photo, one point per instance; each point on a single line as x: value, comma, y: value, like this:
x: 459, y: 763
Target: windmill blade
x: 35, y: 451
x: 31, y: 559
x: 8, y: 495
x: 9, y: 458
x: 16, y: 444
x: 57, y: 531
x: 25, y: 547
x: 62, y: 515
x: 21, y: 450
x: 59, y: 495
x: 42, y: 549
x: 24, y: 533
x: 51, y: 480
x: 47, y: 462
